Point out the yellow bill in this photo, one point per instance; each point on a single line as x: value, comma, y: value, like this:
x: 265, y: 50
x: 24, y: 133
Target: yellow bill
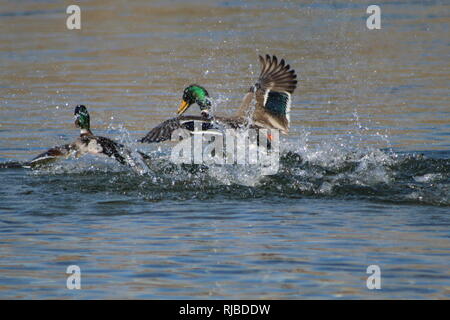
x: 183, y: 106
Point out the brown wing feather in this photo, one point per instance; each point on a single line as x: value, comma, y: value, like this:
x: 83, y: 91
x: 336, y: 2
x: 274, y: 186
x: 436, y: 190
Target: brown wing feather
x: 275, y: 76
x: 52, y: 154
x: 272, y: 92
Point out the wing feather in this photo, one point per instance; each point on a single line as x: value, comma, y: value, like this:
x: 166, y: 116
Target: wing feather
x: 274, y: 88
x: 164, y: 130
x: 52, y: 155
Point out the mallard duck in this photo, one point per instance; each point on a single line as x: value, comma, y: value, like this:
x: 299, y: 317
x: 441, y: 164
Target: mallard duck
x: 272, y: 93
x: 86, y: 143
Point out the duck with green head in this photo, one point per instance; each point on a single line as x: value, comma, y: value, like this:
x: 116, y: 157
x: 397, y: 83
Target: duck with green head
x: 83, y: 120
x: 86, y: 143
x: 265, y: 106
x: 195, y: 94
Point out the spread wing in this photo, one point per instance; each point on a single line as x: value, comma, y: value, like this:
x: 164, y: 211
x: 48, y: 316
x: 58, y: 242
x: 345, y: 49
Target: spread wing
x: 52, y: 154
x: 184, y: 124
x: 273, y: 90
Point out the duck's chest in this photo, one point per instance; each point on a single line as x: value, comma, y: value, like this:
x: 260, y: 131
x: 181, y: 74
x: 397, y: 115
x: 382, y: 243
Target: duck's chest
x: 88, y: 145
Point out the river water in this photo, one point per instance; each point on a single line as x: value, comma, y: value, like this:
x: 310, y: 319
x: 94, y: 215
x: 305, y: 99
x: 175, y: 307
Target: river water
x: 364, y: 176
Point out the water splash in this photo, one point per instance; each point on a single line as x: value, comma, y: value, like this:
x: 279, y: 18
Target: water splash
x: 335, y: 168
x: 135, y: 157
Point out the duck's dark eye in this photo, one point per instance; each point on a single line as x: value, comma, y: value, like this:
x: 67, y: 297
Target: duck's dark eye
x: 187, y: 96
x: 80, y: 109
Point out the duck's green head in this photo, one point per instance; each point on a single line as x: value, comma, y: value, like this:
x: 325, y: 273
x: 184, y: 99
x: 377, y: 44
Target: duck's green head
x: 82, y: 119
x: 195, y: 94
